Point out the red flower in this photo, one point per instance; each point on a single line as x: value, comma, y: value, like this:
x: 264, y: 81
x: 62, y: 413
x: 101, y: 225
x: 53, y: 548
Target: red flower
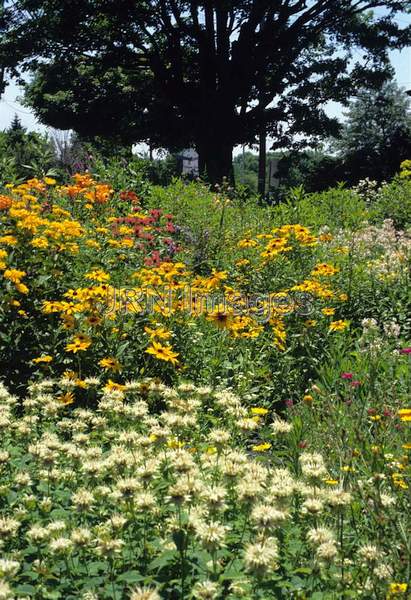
x: 405, y: 351
x: 155, y: 213
x: 130, y: 196
x: 346, y: 376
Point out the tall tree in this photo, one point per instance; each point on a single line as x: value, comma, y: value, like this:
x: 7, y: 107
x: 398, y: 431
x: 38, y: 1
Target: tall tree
x: 213, y: 73
x: 2, y: 61
x: 376, y: 137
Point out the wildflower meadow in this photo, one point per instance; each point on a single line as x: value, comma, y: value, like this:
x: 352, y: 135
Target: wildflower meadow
x: 203, y: 397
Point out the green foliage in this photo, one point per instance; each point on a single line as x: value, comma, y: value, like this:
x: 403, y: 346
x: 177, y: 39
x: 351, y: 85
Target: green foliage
x: 376, y: 137
x: 394, y: 202
x: 337, y: 207
x: 24, y: 154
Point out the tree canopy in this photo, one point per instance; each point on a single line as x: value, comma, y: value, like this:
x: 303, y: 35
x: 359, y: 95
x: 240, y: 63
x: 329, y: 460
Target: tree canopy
x: 376, y: 137
x: 208, y: 73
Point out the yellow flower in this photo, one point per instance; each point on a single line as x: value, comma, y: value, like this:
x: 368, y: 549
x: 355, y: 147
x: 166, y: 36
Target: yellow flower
x: 110, y: 364
x: 308, y: 399
x: 49, y: 181
x: 407, y: 446
x: 215, y: 279
x: 398, y: 481
x: 81, y: 383
x: 397, y: 588
x: 8, y: 240
x: 39, y: 242
x: 23, y: 289
x: 68, y: 321
x: 259, y: 411
x: 67, y: 398
x: 14, y: 275
x: 375, y: 418
x: 261, y: 447
x: 220, y: 317
x: 243, y: 262
x: 113, y: 386
x: 160, y: 333
x: 338, y: 325
x: 247, y: 243
x: 163, y: 352
x: 405, y: 414
x: 97, y: 275
x: 324, y: 270
x: 328, y: 312
x: 69, y: 375
x: 80, y: 343
x: 93, y: 320
x: 44, y: 358
x: 310, y: 323
x: 331, y: 481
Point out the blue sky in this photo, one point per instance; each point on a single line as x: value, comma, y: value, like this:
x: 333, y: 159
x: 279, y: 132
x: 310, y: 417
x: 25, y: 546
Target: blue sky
x: 9, y: 105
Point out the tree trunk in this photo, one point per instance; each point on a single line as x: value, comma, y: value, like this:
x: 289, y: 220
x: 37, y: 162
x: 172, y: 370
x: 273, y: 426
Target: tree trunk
x: 2, y: 80
x: 262, y: 159
x: 216, y: 161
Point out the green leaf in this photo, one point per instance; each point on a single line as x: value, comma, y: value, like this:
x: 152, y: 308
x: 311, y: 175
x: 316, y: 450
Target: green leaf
x: 164, y: 559
x: 131, y: 577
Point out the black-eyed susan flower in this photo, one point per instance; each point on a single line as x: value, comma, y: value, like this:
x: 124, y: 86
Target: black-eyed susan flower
x: 397, y: 589
x: 44, y: 358
x: 110, y: 364
x: 97, y: 275
x: 160, y: 333
x: 80, y: 343
x: 220, y: 316
x: 339, y: 325
x: 161, y: 352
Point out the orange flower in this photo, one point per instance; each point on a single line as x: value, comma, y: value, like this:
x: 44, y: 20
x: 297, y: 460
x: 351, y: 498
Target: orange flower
x: 5, y: 202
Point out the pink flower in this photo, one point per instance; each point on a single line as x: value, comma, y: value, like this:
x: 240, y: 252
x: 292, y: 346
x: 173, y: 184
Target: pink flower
x: 346, y: 375
x: 355, y: 384
x: 289, y: 403
x: 405, y: 351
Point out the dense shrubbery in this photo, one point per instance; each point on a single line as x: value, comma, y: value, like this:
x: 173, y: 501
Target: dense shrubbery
x: 293, y: 323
